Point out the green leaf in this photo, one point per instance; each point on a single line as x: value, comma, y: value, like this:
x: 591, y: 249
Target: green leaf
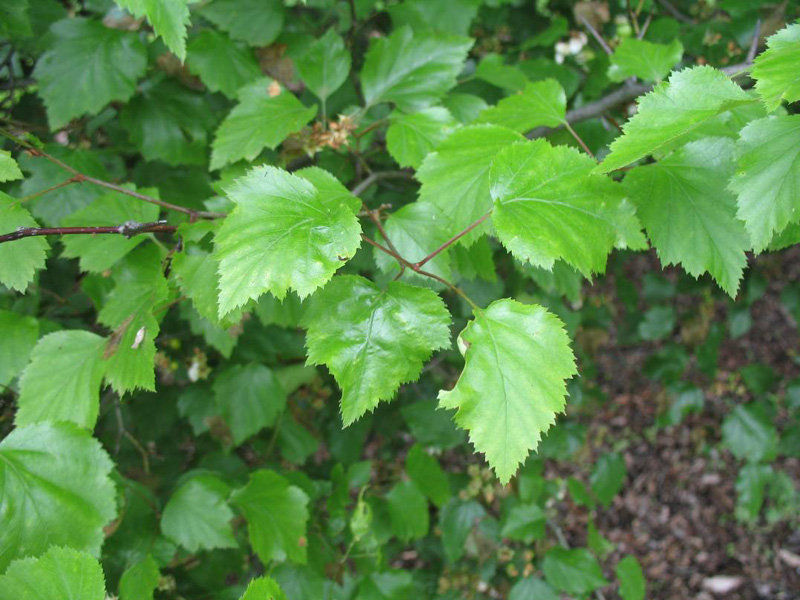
x: 257, y: 22
x: 767, y: 177
x: 549, y: 206
x: 283, y: 313
x: 259, y: 121
x: 425, y: 471
x: 455, y: 178
x: 749, y: 434
x: 59, y: 573
x: 573, y: 571
x: 284, y: 233
x: 674, y: 108
x: 263, y: 588
x: 410, y: 137
x: 608, y: 477
x: 525, y: 523
x: 276, y: 514
x: 297, y: 444
x: 504, y: 403
x: 597, y: 543
x: 451, y: 16
x: 412, y: 70
x: 632, y: 584
x: 14, y: 19
x: 140, y: 290
x: 751, y: 485
x: 87, y: 66
x: 464, y: 107
x: 18, y: 340
x: 645, y: 60
x: 776, y: 70
x: 539, y: 103
x: 389, y: 585
x: 169, y: 19
x: 62, y: 381
x: 197, y: 515
x: 20, y: 259
x: 101, y: 252
x: 140, y: 580
x: 408, y: 511
x: 168, y: 122
x: 688, y: 214
x: 324, y: 67
x: 371, y: 339
x: 9, y: 169
x: 532, y: 587
x: 220, y: 63
x: 56, y: 491
x: 492, y: 70
x: 456, y: 520
x: 657, y: 323
x: 250, y: 398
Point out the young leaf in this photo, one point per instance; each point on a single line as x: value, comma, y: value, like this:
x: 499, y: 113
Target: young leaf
x: 58, y: 573
x: 632, y: 584
x: 250, y: 398
x: 284, y: 233
x: 20, y: 259
x: 645, y: 60
x: 455, y: 178
x: 768, y: 176
x: 688, y: 214
x: 276, y: 514
x: 139, y: 580
x: 169, y: 20
x: 56, y: 491
x: 259, y: 121
x: 674, y: 108
x: 62, y: 381
x: 220, y: 63
x: 539, y: 103
x: 573, y: 571
x: 749, y: 433
x: 412, y: 70
x: 263, y: 588
x: 776, y: 70
x: 257, y: 22
x: 549, y: 206
x: 513, y: 384
x: 373, y: 340
x: 18, y: 340
x: 324, y: 67
x: 9, y: 169
x: 197, y: 515
x: 408, y: 511
x: 88, y: 66
x: 410, y: 137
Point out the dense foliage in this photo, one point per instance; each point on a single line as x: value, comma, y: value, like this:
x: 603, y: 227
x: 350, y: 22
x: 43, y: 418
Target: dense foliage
x: 231, y: 231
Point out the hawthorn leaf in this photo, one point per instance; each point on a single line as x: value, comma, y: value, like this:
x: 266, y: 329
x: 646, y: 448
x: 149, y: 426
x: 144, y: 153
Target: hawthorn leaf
x: 196, y: 273
x: 410, y: 137
x: 197, y: 515
x: 525, y: 523
x: 457, y: 519
x: 573, y: 571
x: 56, y: 491
x: 645, y: 60
x: 9, y: 169
x: 455, y: 178
x: 19, y: 260
x: 324, y: 67
x: 221, y: 64
x: 767, y: 177
x: 330, y: 187
x: 139, y: 580
x: 169, y: 19
x: 464, y: 107
x: 15, y: 21
x: 99, y: 253
x: 259, y: 121
x: 446, y: 16
x: 58, y: 573
x: 263, y: 588
x: 531, y: 587
x: 632, y: 584
x: 549, y: 206
x: 426, y: 472
x: 539, y: 103
x: 492, y: 69
x: 751, y: 485
x: 689, y: 99
x: 276, y: 514
x: 373, y: 340
x: 408, y: 511
x: 777, y: 70
x: 20, y: 334
x: 249, y: 397
x: 689, y: 215
x: 413, y: 70
x: 749, y: 434
x: 257, y: 22
x: 62, y: 381
x: 608, y: 476
x: 513, y: 384
x: 87, y: 66
x: 284, y: 233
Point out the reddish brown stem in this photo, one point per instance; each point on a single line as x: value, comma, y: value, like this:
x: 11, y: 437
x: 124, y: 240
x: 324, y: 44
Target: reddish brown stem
x: 452, y: 241
x: 128, y: 229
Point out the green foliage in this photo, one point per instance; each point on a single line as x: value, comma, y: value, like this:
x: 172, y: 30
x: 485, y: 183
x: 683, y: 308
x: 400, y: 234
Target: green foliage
x: 410, y: 137
x: 325, y: 65
x: 573, y: 571
x: 169, y: 20
x: 19, y: 261
x: 140, y: 580
x: 776, y: 73
x: 58, y: 573
x: 643, y: 59
x: 632, y: 584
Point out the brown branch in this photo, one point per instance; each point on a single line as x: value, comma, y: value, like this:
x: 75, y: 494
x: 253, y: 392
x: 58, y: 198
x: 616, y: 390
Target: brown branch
x: 377, y: 176
x: 751, y: 53
x: 128, y: 229
x: 597, y: 36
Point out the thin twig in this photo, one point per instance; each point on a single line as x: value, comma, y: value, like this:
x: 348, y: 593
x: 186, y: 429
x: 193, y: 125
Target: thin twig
x: 675, y: 12
x: 578, y: 138
x: 632, y: 18
x: 597, y: 36
x: 646, y: 25
x: 128, y: 229
x: 53, y: 188
x: 377, y: 176
x: 128, y: 436
x: 452, y: 241
x: 751, y: 53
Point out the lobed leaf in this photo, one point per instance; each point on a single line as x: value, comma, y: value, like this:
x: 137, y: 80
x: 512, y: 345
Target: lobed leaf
x: 19, y: 260
x: 643, y: 59
x: 169, y: 19
x: 539, y: 103
x: 777, y: 70
x: 410, y: 137
x: 58, y: 573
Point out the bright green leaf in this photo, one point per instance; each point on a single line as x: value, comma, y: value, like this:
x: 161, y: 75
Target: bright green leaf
x: 139, y: 580
x: 372, y: 339
x: 324, y: 67
x: 445, y: 16
x: 263, y: 588
x: 9, y: 169
x: 539, y: 103
x: 457, y: 519
x: 573, y: 571
x: 632, y: 584
x: 220, y: 63
x: 749, y: 433
x: 464, y: 107
x: 777, y: 70
x: 410, y: 137
x: 59, y: 573
x: 284, y: 233
x: 645, y: 60
x: 524, y: 523
x: 20, y: 259
x: 276, y: 514
x: 751, y: 485
x: 169, y: 19
x: 492, y: 70
x: 530, y: 588
x: 18, y: 340
x: 388, y: 585
x: 425, y: 471
x: 408, y: 511
x: 257, y: 22
x: 608, y: 477
x: 504, y: 403
x: 56, y: 491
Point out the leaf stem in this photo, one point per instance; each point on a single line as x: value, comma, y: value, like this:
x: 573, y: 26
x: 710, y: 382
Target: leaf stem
x: 452, y: 240
x: 578, y: 138
x: 53, y: 188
